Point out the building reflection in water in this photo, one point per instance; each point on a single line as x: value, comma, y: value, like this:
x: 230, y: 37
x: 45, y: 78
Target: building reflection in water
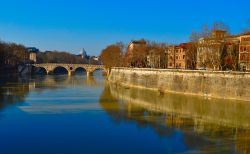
x: 224, y: 123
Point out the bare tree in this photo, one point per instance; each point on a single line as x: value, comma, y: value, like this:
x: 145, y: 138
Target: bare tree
x: 205, y: 32
x: 191, y: 55
x: 221, y: 26
x: 230, y: 56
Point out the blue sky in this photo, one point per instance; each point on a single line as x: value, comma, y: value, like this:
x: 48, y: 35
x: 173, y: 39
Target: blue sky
x: 69, y: 25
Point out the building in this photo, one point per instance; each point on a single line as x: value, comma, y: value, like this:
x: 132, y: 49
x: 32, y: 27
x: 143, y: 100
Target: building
x: 133, y: 45
x: 83, y: 54
x: 177, y: 56
x: 153, y: 59
x: 209, y: 51
x: 180, y: 55
x: 135, y: 49
x: 213, y: 51
x: 33, y: 54
x: 244, y: 52
x: 171, y: 56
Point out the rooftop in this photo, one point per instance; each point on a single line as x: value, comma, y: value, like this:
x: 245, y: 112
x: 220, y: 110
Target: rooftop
x: 33, y: 49
x: 142, y: 41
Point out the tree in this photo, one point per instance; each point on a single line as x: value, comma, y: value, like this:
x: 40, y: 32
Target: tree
x: 211, y: 48
x: 221, y: 26
x: 230, y: 57
x: 59, y: 57
x: 205, y: 32
x: 191, y: 55
x: 12, y: 54
x: 139, y: 58
x: 111, y: 56
x: 156, y: 54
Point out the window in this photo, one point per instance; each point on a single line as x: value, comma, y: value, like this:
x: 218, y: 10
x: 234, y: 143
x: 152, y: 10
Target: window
x: 244, y: 49
x: 180, y: 65
x: 176, y: 57
x: 170, y: 64
x: 183, y: 56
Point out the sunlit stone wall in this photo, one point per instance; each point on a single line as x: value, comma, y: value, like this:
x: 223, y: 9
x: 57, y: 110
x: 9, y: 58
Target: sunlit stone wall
x: 228, y: 85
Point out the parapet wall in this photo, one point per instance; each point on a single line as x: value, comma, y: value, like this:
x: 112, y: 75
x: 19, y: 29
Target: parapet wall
x: 227, y: 85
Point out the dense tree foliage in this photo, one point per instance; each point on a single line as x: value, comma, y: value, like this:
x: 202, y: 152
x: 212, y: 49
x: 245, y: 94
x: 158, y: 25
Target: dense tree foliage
x: 11, y: 55
x: 59, y: 57
x: 118, y: 55
x: 112, y: 56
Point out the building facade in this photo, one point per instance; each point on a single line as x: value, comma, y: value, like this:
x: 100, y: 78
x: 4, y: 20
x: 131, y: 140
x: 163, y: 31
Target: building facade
x: 177, y: 56
x: 135, y: 51
x: 134, y: 45
x: 244, y: 52
x: 218, y: 51
x: 153, y: 59
x: 209, y: 51
x: 33, y: 54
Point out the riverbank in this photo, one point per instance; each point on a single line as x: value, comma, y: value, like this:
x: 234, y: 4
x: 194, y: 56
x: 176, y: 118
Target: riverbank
x: 13, y: 71
x: 209, y: 84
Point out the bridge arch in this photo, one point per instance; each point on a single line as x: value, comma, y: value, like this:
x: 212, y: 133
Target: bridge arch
x: 103, y: 69
x: 98, y: 69
x: 40, y: 70
x: 60, y: 70
x: 80, y: 70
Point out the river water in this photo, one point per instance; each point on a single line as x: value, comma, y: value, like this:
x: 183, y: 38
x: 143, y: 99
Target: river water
x: 79, y: 114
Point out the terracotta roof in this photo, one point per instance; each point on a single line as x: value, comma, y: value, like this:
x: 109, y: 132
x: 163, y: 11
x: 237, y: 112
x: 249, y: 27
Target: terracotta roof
x: 185, y: 45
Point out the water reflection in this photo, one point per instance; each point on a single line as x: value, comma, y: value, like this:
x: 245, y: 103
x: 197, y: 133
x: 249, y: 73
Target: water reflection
x: 15, y: 90
x: 212, y: 126
x: 183, y: 124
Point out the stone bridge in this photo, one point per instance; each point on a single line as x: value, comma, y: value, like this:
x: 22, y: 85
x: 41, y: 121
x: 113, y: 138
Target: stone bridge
x: 71, y: 68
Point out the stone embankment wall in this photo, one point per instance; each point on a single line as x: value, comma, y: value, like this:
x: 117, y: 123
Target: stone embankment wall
x: 227, y: 85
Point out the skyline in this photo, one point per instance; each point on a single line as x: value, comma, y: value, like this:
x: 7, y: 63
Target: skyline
x: 72, y: 25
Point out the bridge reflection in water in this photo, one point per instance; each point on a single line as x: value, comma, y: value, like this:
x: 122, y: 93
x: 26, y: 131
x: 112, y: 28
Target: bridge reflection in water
x: 226, y: 124
x: 54, y: 82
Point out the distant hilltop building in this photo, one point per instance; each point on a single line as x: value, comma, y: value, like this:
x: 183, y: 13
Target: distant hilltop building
x: 33, y: 53
x: 83, y: 53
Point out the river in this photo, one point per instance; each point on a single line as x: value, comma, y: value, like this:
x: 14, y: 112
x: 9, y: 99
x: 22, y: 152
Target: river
x: 80, y: 114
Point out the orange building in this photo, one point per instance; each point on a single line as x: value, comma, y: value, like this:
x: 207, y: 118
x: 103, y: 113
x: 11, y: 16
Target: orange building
x: 244, y: 52
x: 133, y: 47
x: 177, y: 56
